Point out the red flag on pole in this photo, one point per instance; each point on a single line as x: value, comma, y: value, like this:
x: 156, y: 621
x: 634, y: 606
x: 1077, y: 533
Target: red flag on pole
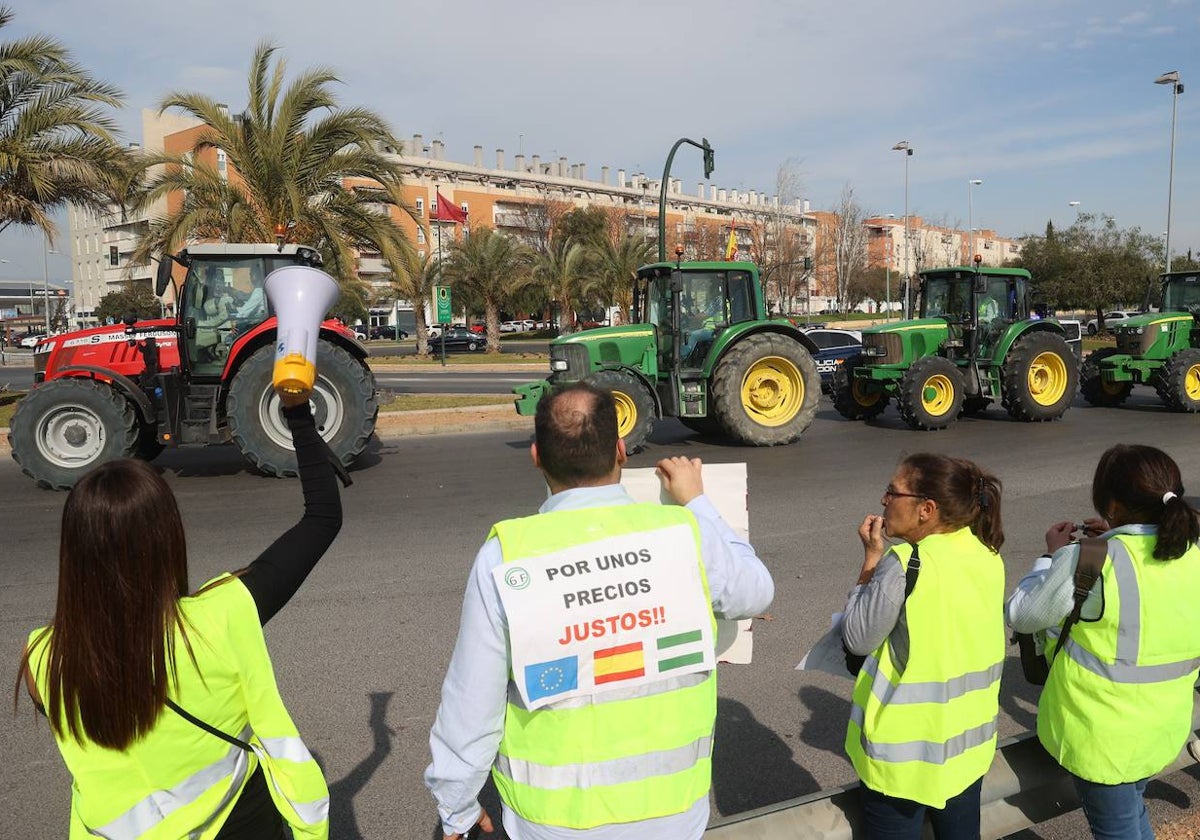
x: 448, y: 211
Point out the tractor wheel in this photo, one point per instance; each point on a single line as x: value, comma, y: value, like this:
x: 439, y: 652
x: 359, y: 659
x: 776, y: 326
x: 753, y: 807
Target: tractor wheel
x: 765, y: 390
x: 931, y: 393
x: 1179, y: 384
x: 854, y: 398
x: 1039, y: 377
x: 66, y: 427
x: 343, y: 403
x: 1092, y: 385
x: 635, y: 406
x: 704, y: 426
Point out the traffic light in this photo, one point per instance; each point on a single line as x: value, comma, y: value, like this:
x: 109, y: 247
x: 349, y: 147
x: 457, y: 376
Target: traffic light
x: 708, y: 157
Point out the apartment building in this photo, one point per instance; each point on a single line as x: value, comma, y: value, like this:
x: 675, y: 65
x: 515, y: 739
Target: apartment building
x: 932, y: 245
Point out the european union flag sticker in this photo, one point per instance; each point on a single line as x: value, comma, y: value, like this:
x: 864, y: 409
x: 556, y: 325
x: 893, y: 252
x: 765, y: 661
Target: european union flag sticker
x: 545, y: 679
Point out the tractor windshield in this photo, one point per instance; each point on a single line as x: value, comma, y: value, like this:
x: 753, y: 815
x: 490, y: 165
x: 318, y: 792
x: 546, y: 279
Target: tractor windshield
x: 1181, y: 293
x: 946, y: 297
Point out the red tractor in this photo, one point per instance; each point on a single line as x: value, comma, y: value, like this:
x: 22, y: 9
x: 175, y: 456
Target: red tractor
x: 203, y: 378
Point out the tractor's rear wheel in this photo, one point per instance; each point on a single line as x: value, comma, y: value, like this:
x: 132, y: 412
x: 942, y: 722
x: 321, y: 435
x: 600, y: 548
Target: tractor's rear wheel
x: 1179, y: 384
x: 931, y: 393
x: 1092, y: 385
x: 66, y: 427
x: 1039, y: 377
x: 343, y: 404
x: 635, y: 406
x: 856, y: 399
x: 765, y: 390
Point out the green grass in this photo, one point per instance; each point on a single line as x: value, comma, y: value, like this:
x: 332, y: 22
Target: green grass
x: 422, y: 402
x: 8, y: 406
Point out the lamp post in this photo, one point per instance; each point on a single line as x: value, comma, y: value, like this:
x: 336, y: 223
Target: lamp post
x: 704, y: 147
x: 971, y: 185
x: 906, y: 147
x: 46, y: 252
x: 1172, y: 79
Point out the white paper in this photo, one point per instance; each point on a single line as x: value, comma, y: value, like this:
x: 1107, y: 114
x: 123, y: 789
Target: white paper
x: 827, y: 655
x: 725, y: 487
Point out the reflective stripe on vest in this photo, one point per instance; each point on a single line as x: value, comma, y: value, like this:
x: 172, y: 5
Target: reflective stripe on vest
x: 616, y: 771
x: 1125, y: 668
x: 156, y: 807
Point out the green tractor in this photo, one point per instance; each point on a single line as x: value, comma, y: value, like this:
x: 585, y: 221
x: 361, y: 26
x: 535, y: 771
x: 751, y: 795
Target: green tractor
x: 1160, y: 349
x: 976, y: 341
x: 701, y: 348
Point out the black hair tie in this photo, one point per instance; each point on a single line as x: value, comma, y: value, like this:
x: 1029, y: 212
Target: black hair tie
x: 980, y: 495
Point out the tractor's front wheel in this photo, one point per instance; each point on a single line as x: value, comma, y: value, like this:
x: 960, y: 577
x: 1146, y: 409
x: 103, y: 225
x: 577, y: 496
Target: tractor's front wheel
x: 931, y: 393
x: 66, y: 427
x: 765, y: 390
x: 1040, y: 377
x: 635, y: 406
x: 1092, y: 385
x: 1179, y: 383
x: 343, y: 404
x: 856, y: 399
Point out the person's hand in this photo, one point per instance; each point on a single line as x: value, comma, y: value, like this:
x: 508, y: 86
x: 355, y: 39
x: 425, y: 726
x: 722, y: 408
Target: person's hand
x: 484, y: 822
x: 1094, y: 526
x: 1058, y: 535
x: 871, y: 534
x: 680, y: 477
x: 291, y: 400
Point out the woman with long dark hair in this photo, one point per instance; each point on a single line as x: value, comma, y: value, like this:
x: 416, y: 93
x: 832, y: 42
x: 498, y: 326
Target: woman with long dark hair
x: 1117, y: 704
x: 163, y: 703
x: 926, y: 615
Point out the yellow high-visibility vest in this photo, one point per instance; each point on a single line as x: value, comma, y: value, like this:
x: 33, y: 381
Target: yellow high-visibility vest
x: 1117, y: 706
x: 618, y: 756
x: 926, y: 733
x: 179, y: 780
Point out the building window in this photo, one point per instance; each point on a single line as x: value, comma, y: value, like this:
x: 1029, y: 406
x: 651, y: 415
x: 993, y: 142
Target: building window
x: 222, y: 165
x: 420, y: 236
x: 420, y: 207
x: 433, y: 208
x: 466, y: 212
x: 114, y: 258
x: 421, y: 254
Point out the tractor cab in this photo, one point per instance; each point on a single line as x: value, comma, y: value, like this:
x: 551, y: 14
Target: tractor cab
x: 978, y: 306
x: 223, y: 298
x: 1181, y: 293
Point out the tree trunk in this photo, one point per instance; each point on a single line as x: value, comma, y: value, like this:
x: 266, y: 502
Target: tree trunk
x: 491, y: 317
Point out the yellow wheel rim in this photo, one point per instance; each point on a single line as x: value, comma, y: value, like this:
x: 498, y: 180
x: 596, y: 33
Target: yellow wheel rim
x: 862, y: 395
x: 1191, y: 383
x: 626, y: 413
x: 772, y: 391
x: 1047, y: 378
x: 937, y: 395
x: 1111, y: 388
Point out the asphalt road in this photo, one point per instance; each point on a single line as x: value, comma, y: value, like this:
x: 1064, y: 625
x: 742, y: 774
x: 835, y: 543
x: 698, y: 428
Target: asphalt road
x: 361, y: 651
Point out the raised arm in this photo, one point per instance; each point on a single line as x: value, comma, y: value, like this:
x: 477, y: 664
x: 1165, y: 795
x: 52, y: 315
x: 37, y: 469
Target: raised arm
x: 277, y: 573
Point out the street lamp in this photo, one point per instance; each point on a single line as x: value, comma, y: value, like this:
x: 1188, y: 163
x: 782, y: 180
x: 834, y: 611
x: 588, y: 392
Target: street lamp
x: 46, y: 252
x: 974, y: 182
x: 1172, y: 79
x: 906, y: 147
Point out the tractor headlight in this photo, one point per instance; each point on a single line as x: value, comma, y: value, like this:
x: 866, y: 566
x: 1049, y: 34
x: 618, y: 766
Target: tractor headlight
x: 559, y: 364
x: 873, y: 351
x: 1140, y: 330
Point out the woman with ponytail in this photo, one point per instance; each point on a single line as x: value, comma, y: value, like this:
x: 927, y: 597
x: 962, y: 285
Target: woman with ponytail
x: 1117, y: 705
x: 927, y: 615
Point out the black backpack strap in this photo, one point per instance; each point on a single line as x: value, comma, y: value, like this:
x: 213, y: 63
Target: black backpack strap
x: 1092, y: 554
x: 912, y: 571
x: 212, y: 730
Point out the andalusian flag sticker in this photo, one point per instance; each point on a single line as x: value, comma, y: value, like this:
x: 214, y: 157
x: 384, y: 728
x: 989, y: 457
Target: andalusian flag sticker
x: 680, y: 650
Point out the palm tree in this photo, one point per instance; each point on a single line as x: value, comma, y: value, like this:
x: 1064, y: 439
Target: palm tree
x: 297, y: 162
x: 58, y: 143
x: 414, y: 283
x: 616, y: 264
x: 490, y: 266
x: 560, y: 270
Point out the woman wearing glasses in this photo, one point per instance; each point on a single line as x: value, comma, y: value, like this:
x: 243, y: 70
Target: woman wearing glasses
x: 928, y: 615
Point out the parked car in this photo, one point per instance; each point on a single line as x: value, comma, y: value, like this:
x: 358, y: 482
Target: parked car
x: 457, y: 338
x: 32, y: 340
x: 510, y: 326
x: 388, y: 332
x: 834, y: 347
x: 1112, y: 318
x: 480, y: 329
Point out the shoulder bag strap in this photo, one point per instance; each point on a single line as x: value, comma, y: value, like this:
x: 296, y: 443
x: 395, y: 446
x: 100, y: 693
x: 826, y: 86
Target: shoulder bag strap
x: 1092, y: 554
x: 212, y: 730
x: 912, y: 571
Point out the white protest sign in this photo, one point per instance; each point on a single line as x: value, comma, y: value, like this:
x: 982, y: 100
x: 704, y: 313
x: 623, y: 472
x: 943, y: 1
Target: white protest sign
x: 614, y: 613
x: 725, y: 487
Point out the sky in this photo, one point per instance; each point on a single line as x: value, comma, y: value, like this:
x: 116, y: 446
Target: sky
x: 1045, y: 101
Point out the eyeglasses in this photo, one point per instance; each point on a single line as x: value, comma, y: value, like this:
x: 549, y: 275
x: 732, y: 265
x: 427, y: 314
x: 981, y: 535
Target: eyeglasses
x: 890, y: 493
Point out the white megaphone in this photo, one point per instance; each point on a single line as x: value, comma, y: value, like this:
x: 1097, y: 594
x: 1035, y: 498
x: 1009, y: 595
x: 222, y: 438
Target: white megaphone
x: 300, y: 296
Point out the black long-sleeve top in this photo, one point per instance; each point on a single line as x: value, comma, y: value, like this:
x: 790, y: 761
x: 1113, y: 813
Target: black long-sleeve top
x: 278, y: 572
